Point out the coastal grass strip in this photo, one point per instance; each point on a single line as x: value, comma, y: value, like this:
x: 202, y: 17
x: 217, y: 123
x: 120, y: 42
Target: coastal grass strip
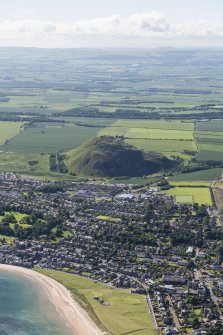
x: 122, y: 312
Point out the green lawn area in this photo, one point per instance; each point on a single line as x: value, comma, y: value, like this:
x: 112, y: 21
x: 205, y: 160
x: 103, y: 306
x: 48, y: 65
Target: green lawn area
x: 18, y: 216
x: 107, y: 218
x: 126, y: 314
x: 8, y: 130
x: 7, y: 239
x: 19, y: 163
x: 184, y: 199
x: 198, y: 195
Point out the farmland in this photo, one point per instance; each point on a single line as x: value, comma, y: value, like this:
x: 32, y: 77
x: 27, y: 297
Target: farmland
x: 83, y: 101
x: 129, y: 311
x: 210, y: 126
x: 191, y: 195
x: 50, y: 138
x: 204, y: 175
x: 163, y: 146
x: 147, y: 133
x: 161, y: 136
x: 109, y: 81
x: 152, y: 124
x: 209, y: 139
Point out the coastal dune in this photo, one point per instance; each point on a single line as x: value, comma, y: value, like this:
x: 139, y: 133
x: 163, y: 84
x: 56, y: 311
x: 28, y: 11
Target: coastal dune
x: 75, y: 317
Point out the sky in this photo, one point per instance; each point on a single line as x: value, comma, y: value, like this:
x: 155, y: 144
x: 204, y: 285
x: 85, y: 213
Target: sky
x: 111, y: 23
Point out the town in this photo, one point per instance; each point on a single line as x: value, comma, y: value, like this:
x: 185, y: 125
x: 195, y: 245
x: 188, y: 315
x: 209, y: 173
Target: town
x: 133, y: 237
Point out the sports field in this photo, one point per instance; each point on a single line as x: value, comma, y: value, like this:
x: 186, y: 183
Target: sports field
x: 191, y: 195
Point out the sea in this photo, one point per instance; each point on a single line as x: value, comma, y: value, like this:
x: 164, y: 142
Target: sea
x: 25, y: 308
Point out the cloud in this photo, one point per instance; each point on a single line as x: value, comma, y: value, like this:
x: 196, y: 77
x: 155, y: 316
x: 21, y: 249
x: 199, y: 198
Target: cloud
x: 201, y: 28
x: 141, y: 28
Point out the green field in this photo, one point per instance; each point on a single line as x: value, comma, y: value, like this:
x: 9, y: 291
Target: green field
x: 126, y: 313
x: 106, y: 82
x: 184, y: 199
x: 163, y: 146
x: 19, y: 163
x: 50, y: 138
x: 210, y: 126
x: 8, y: 130
x: 167, y: 137
x: 204, y: 175
x: 107, y: 218
x: 153, y: 124
x: 190, y: 183
x: 191, y: 195
x: 210, y: 142
x: 147, y: 133
x: 210, y: 155
x: 134, y: 181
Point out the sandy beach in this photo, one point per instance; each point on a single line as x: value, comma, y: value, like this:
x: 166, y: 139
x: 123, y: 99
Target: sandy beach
x: 75, y: 317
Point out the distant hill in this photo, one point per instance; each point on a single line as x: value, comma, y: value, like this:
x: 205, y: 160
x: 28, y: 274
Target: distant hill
x: 112, y: 157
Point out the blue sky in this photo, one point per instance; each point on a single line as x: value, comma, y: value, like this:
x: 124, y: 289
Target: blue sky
x: 111, y: 23
x: 69, y: 10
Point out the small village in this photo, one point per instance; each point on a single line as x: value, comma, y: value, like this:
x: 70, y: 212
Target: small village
x: 132, y: 237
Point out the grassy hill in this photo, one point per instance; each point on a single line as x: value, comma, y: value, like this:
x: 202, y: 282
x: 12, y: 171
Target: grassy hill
x: 111, y: 157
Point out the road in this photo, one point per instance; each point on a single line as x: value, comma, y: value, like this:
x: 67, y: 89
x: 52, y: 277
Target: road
x: 174, y: 315
x: 151, y: 311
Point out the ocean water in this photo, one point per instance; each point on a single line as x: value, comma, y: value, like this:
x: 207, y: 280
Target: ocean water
x: 26, y: 310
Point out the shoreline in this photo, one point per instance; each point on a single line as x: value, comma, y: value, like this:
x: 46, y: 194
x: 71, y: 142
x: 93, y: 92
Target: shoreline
x: 74, y: 316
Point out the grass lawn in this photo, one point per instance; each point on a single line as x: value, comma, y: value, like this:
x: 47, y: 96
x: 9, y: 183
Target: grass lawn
x: 107, y: 218
x: 191, y: 194
x: 18, y: 216
x: 8, y: 130
x: 8, y: 240
x: 182, y: 199
x: 126, y: 314
x: 19, y: 163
